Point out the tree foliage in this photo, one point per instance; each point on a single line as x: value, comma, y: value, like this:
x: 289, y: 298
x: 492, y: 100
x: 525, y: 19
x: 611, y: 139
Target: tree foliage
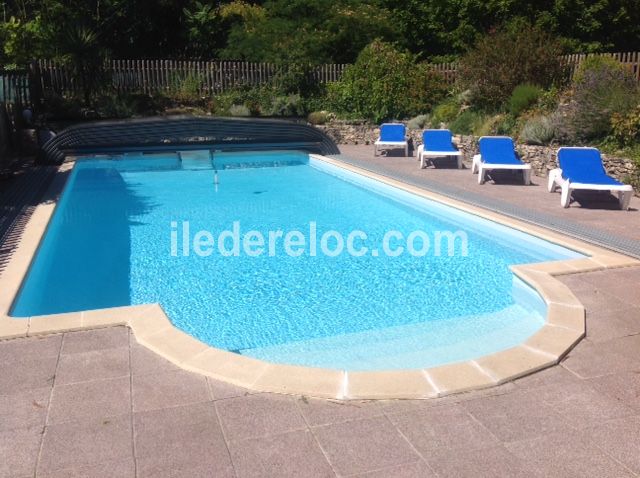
x: 319, y: 31
x: 308, y: 31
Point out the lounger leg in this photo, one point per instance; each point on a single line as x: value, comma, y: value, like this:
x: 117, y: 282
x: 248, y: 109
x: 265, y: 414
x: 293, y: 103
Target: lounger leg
x: 565, y: 198
x: 526, y: 176
x: 552, y: 183
x: 481, y: 173
x: 474, y: 164
x: 406, y: 150
x: 625, y: 199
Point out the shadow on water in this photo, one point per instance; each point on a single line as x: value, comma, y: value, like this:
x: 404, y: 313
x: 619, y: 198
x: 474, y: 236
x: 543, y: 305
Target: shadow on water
x: 84, y: 260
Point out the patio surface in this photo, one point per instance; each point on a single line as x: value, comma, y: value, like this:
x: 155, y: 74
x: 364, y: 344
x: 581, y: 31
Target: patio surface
x: 96, y: 403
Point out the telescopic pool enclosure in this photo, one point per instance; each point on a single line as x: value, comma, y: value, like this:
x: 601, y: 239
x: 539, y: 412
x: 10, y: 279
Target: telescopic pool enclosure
x: 186, y: 132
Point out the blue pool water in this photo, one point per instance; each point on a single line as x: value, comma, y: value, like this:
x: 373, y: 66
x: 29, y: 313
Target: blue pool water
x: 110, y: 244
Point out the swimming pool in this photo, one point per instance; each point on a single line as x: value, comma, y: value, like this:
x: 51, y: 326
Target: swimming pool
x: 116, y: 238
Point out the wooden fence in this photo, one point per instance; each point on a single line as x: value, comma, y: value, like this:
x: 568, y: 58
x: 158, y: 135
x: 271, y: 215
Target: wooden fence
x: 629, y: 59
x: 15, y: 87
x: 205, y: 77
x: 449, y: 71
x: 212, y: 77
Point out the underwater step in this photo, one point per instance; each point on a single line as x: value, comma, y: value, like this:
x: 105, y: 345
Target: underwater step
x: 198, y: 159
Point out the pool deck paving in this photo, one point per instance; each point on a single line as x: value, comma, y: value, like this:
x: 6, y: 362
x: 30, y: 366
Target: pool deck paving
x: 96, y: 403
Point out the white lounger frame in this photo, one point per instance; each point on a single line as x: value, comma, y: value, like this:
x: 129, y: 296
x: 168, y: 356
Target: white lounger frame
x: 624, y: 191
x: 423, y: 156
x: 480, y: 167
x: 378, y: 145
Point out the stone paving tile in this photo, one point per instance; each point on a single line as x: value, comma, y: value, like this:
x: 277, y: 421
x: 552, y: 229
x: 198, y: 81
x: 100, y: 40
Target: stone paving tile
x: 284, y: 455
x: 418, y: 469
x: 517, y: 416
x: 578, y: 284
x: 324, y: 412
x: 624, y: 292
x: 24, y: 409
x: 488, y: 462
x: 600, y: 301
x: 113, y: 469
x: 87, y: 400
x: 24, y: 374
x: 93, y: 365
x: 367, y: 444
x: 557, y: 375
x: 172, y: 439
x: 613, y: 324
x: 447, y: 427
x: 258, y: 415
x: 590, y: 360
x: 221, y: 390
x: 581, y: 404
x: 391, y: 407
x: 620, y: 439
x: 187, y: 463
x: 19, y: 451
x: 98, y: 339
x: 33, y: 347
x: 85, y: 443
x: 624, y: 387
x: 567, y: 455
x: 144, y: 361
x: 168, y: 389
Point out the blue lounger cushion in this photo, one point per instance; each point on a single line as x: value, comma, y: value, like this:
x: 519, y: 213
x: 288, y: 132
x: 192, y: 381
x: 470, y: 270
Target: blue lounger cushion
x: 392, y: 133
x: 439, y: 140
x: 498, y: 150
x: 584, y: 166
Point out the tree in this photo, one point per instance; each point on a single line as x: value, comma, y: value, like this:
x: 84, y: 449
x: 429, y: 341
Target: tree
x: 309, y: 31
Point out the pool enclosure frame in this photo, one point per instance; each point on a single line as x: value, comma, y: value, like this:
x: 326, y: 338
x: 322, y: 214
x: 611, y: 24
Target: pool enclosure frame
x: 171, y: 133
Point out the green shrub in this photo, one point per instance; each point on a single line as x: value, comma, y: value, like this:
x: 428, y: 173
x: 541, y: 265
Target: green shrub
x: 602, y: 87
x: 501, y: 61
x: 239, y: 110
x: 289, y: 105
x: 418, y: 122
x: 523, y: 98
x: 625, y: 128
x: 385, y: 83
x: 445, y: 112
x: 539, y: 130
x: 186, y: 89
x: 489, y: 126
x: 318, y: 117
x: 467, y: 122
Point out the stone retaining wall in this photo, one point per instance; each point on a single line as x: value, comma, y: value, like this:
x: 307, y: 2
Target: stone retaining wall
x: 541, y: 158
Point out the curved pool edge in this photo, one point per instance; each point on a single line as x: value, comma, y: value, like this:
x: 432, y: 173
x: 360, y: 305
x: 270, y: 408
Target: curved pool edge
x: 563, y: 329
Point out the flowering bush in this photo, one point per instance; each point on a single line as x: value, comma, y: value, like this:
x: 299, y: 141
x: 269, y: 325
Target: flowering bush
x: 602, y: 87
